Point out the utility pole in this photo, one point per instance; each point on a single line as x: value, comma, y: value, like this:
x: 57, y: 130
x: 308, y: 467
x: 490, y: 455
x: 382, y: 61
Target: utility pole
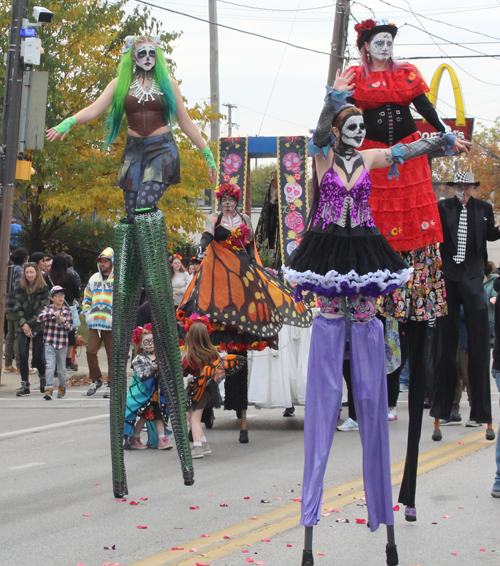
x: 230, y: 122
x: 339, y: 39
x: 9, y: 141
x: 214, y: 77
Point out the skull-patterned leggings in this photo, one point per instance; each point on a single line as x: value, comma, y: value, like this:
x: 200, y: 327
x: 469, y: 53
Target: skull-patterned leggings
x: 147, y: 196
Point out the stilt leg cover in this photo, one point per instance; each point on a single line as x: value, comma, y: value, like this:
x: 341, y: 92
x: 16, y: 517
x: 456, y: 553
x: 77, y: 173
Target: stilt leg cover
x: 323, y: 399
x: 307, y: 558
x: 126, y: 293
x: 152, y: 247
x: 369, y: 383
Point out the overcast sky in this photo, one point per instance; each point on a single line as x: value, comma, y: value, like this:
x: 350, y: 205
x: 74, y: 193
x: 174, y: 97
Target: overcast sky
x: 279, y: 89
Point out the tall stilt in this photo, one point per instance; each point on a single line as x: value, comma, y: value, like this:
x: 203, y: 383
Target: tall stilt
x: 307, y: 555
x: 150, y: 232
x: 391, y: 549
x: 126, y: 293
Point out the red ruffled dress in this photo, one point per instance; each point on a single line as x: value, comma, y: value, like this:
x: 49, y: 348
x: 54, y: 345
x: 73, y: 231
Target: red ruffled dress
x: 404, y: 209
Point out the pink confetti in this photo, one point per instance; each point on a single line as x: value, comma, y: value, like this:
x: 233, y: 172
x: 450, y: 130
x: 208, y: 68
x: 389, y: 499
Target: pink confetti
x: 250, y: 559
x: 94, y: 484
x: 193, y: 550
x: 226, y: 537
x: 361, y: 521
x: 260, y: 563
x: 461, y: 442
x: 396, y: 508
x: 326, y: 514
x: 320, y: 553
x: 289, y: 545
x: 265, y: 540
x: 253, y: 518
x: 194, y: 508
x: 454, y: 553
x: 199, y: 564
x: 210, y: 495
x: 141, y: 527
x: 223, y: 505
x: 460, y: 506
x: 177, y: 548
x: 121, y: 500
x: 245, y: 551
x: 133, y: 503
x: 144, y: 498
x: 445, y: 516
x: 483, y: 550
x: 80, y: 564
x: 298, y: 500
x: 246, y: 498
x: 205, y: 536
x: 278, y: 498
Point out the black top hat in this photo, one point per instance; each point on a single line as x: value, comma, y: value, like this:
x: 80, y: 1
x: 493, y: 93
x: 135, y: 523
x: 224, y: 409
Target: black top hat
x: 371, y: 27
x: 463, y: 178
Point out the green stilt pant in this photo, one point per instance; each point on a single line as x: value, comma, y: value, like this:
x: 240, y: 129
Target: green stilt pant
x: 152, y: 248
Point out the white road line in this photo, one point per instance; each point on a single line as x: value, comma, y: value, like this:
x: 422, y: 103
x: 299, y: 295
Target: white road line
x: 24, y: 466
x: 50, y: 426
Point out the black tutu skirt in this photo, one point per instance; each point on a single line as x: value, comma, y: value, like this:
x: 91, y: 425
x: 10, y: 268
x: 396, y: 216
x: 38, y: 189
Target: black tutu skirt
x: 346, y: 261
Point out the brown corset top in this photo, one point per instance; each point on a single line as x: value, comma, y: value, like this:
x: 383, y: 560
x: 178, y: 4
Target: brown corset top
x: 144, y: 117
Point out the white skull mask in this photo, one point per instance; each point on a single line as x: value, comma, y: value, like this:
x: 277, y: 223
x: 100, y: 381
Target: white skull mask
x: 381, y: 46
x: 145, y: 56
x: 353, y: 131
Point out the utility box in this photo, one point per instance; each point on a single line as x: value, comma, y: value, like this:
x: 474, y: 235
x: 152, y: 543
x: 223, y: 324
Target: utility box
x: 31, y: 48
x: 34, y: 134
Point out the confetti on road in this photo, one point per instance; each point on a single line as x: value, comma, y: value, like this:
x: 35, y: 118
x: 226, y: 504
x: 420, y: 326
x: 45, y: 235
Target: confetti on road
x: 396, y: 508
x: 177, y: 548
x: 133, y: 503
x: 265, y: 540
x: 193, y: 550
x: 121, y: 500
x: 144, y: 498
x: 205, y: 536
x: 246, y: 498
x: 226, y: 537
x: 445, y: 516
x: 298, y: 500
x: 97, y: 484
x: 342, y: 520
x: 361, y: 521
x: 141, y: 527
x: 253, y: 518
x: 289, y: 545
x: 87, y: 515
x: 223, y: 505
x: 326, y: 514
x: 320, y: 553
x: 194, y: 508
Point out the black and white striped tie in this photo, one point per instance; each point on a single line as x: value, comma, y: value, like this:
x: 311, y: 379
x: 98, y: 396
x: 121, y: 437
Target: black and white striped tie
x: 461, y: 236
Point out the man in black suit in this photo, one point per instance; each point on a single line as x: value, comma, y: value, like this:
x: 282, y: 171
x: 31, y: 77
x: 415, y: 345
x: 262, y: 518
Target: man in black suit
x: 467, y: 224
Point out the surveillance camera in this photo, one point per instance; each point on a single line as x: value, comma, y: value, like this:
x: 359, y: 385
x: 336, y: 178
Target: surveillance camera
x: 42, y: 15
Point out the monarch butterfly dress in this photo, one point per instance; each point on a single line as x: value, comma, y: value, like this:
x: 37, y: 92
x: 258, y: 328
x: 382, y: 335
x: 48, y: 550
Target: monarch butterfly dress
x: 246, y: 306
x: 345, y: 259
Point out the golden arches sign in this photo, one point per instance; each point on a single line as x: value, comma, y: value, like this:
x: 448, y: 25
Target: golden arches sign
x: 457, y: 91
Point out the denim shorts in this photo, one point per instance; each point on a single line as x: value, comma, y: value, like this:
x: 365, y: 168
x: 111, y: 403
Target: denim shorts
x: 149, y: 159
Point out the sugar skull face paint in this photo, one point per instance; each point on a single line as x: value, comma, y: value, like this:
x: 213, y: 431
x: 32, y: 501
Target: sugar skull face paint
x: 353, y: 131
x: 228, y: 203
x: 464, y: 192
x: 381, y: 46
x: 147, y: 343
x: 145, y: 56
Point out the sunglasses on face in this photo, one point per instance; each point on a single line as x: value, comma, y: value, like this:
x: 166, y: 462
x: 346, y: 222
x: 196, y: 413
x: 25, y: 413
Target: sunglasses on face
x: 143, y: 53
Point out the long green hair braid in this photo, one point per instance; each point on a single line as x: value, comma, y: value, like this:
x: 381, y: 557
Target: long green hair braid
x: 125, y: 77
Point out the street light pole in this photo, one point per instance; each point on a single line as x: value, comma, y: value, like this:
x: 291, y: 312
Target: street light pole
x: 9, y: 142
x: 214, y: 78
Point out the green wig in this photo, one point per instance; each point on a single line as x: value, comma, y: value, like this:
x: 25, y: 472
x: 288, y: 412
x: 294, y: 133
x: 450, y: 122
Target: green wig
x: 125, y: 77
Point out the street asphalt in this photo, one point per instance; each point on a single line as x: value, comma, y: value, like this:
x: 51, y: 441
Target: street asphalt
x: 58, y: 509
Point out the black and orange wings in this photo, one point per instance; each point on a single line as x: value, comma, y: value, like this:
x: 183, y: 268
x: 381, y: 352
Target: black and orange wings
x: 234, y: 292
x: 216, y: 372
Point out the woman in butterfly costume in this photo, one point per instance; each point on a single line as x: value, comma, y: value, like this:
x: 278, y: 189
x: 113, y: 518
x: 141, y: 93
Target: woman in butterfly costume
x: 151, y: 101
x: 246, y: 306
x: 345, y: 259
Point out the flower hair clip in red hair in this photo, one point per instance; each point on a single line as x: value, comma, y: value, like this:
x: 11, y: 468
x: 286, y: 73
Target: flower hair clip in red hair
x: 139, y: 331
x: 188, y: 322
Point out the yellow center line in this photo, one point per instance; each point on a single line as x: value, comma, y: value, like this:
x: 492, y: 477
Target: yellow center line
x: 272, y: 523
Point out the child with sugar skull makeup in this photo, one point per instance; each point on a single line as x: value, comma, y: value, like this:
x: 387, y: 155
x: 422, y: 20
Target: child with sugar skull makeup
x: 348, y: 263
x: 145, y: 398
x: 151, y: 100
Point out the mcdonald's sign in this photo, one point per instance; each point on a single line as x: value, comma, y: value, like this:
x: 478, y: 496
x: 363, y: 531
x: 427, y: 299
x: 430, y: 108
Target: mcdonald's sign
x: 460, y: 126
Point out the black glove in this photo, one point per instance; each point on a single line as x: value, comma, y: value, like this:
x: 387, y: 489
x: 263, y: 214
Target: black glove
x: 206, y: 239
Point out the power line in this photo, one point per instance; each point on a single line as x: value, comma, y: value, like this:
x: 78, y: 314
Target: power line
x: 231, y: 28
x: 276, y: 9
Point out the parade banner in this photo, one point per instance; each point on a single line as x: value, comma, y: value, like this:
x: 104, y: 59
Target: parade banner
x: 233, y: 167
x: 293, y: 196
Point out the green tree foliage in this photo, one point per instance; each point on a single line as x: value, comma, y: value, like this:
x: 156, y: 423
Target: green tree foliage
x: 76, y: 177
x: 260, y: 179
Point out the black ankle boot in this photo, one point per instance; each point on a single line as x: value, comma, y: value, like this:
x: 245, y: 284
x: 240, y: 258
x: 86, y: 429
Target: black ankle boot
x: 244, y: 436
x: 43, y: 383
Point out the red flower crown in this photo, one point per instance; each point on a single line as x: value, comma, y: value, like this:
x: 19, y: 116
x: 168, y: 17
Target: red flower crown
x: 228, y: 189
x: 136, y: 336
x: 188, y: 322
x: 174, y: 256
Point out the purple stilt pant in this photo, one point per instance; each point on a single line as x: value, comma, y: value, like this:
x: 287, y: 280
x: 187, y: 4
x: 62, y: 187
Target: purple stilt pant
x: 323, y: 398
